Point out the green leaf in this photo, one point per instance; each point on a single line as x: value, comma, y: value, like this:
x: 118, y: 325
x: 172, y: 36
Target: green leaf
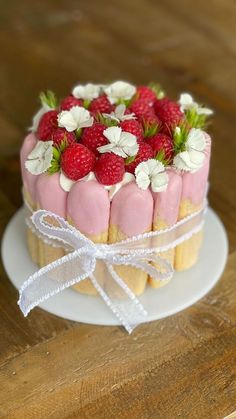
x: 49, y: 98
x: 86, y: 103
x: 129, y: 159
x: 55, y: 167
x: 150, y: 129
x: 125, y: 102
x: 180, y: 135
x: 196, y: 120
x: 161, y: 157
x: 106, y: 121
x: 78, y: 132
x: 157, y: 89
x: 56, y: 153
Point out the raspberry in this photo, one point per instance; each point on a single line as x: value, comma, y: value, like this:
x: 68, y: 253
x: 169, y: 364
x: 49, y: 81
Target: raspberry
x: 93, y: 137
x: 147, y: 94
x: 101, y: 105
x: 77, y: 161
x: 60, y: 134
x: 134, y: 127
x: 141, y: 107
x: 109, y: 169
x: 168, y: 112
x: 47, y: 124
x: 162, y: 142
x: 69, y: 102
x: 145, y: 152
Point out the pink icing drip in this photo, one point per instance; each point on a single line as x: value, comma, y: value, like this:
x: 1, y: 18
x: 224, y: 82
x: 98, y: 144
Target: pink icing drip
x: 29, y: 180
x: 89, y: 207
x: 132, y: 210
x: 49, y: 194
x: 166, y: 205
x: 195, y: 184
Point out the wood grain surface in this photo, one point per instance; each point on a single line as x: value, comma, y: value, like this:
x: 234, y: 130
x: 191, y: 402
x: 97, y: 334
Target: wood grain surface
x: 183, y: 366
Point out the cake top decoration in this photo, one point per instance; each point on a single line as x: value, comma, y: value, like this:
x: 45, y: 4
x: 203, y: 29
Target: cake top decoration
x: 104, y: 132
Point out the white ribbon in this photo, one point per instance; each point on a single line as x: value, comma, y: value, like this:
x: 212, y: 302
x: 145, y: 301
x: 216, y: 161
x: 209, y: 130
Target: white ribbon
x: 98, y: 262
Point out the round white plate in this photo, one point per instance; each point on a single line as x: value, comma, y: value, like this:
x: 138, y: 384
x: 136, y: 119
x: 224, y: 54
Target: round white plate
x: 183, y: 290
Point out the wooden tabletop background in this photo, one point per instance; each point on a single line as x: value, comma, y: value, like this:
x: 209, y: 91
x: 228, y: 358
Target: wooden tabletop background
x: 183, y: 366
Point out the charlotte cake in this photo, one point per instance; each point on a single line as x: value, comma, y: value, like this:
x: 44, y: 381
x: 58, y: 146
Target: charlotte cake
x: 116, y: 161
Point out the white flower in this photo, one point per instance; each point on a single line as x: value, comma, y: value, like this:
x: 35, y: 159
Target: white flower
x: 77, y: 117
x: 35, y: 123
x: 89, y: 91
x: 39, y: 160
x: 119, y: 114
x: 119, y: 90
x: 187, y: 103
x: 194, y: 155
x: 151, y: 172
x: 121, y: 142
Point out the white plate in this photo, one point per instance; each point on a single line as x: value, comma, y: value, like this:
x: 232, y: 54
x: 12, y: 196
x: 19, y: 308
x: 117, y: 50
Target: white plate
x: 183, y: 290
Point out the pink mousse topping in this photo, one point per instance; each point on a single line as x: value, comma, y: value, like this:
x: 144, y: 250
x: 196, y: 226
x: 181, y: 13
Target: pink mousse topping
x: 195, y: 184
x: 88, y: 206
x: 166, y: 203
x: 49, y: 194
x: 132, y: 210
x: 29, y: 180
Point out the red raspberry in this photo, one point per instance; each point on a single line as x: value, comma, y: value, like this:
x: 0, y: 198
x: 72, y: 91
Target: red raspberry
x: 69, y: 102
x: 101, y: 104
x: 141, y: 107
x: 150, y: 119
x: 162, y: 142
x: 109, y: 169
x: 147, y: 94
x: 60, y: 134
x: 168, y: 112
x: 92, y: 137
x: 77, y: 161
x: 47, y: 124
x: 145, y: 152
x: 134, y: 127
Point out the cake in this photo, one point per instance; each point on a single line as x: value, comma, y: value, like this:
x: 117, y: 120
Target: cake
x: 117, y: 161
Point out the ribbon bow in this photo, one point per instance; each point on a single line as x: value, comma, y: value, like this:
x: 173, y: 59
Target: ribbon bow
x: 98, y: 262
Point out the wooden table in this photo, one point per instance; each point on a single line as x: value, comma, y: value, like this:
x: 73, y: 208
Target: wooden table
x: 183, y: 366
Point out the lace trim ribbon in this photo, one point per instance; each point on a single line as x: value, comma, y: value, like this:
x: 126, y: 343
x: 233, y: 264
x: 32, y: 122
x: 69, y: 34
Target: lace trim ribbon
x: 100, y: 262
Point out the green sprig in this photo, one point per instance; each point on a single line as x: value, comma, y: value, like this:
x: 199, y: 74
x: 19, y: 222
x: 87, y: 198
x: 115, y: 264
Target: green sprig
x: 196, y: 120
x: 129, y: 160
x: 157, y: 89
x: 180, y: 135
x: 161, y: 157
x: 109, y: 122
x: 57, y: 151
x: 49, y: 98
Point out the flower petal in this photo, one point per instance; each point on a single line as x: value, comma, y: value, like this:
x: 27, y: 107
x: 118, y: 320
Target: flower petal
x: 87, y: 92
x: 67, y: 121
x: 113, y: 134
x: 39, y: 160
x: 119, y: 90
x: 159, y: 182
x: 204, y: 111
x: 76, y: 117
x: 196, y: 140
x: 142, y: 180
x: 65, y: 182
x: 197, y: 158
x: 186, y: 100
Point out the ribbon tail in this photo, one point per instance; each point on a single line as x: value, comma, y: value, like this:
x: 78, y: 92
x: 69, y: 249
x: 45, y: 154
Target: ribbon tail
x: 120, y: 299
x: 54, y: 278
